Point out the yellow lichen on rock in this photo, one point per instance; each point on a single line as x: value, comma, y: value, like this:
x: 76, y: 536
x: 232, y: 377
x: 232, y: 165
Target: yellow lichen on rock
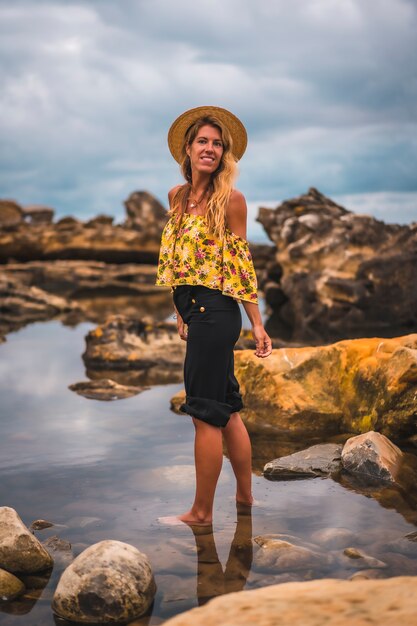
x: 351, y: 386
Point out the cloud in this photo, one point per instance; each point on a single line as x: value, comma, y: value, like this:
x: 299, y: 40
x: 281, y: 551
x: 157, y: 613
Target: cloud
x: 327, y: 91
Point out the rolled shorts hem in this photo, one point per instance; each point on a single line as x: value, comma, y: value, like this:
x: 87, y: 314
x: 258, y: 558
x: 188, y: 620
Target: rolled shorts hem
x: 212, y: 411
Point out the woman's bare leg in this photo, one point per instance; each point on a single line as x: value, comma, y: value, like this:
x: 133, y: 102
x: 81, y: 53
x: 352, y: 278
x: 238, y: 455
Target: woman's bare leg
x: 208, y: 455
x: 240, y: 455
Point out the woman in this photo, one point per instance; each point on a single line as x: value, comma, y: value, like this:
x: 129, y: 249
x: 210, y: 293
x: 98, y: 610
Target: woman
x: 205, y: 258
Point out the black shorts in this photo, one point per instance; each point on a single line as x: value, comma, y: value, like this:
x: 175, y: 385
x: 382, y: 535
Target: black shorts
x: 214, y: 324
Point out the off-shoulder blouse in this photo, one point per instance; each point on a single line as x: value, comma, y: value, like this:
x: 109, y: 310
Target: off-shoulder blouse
x: 192, y: 256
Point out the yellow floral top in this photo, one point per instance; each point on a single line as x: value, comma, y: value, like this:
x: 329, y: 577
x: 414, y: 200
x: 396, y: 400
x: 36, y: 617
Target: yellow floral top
x: 193, y: 257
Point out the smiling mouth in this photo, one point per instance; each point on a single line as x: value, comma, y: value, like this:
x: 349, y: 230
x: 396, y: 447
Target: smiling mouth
x: 208, y: 159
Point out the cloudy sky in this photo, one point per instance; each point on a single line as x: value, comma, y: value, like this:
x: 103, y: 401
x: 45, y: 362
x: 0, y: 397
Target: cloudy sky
x: 326, y: 88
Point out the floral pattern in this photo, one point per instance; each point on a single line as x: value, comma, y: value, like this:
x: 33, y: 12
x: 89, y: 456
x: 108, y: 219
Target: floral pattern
x: 191, y: 257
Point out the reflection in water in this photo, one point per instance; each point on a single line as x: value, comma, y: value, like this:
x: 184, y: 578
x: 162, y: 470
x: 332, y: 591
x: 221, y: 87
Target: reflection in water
x: 109, y: 470
x: 211, y: 580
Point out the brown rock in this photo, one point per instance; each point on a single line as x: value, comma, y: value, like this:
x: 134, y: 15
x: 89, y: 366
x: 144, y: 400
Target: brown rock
x: 354, y: 558
x: 11, y: 214
x: 105, y: 389
x: 146, y: 215
x: 155, y: 350
x: 21, y: 305
x: 61, y: 549
x: 331, y: 602
x: 337, y: 269
x: 372, y: 455
x: 351, y: 386
x: 70, y: 238
x: 38, y: 214
x: 10, y: 586
x: 40, y: 524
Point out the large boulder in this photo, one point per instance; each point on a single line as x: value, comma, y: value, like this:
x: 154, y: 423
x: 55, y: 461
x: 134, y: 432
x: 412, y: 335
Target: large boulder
x: 20, y: 551
x: 110, y: 581
x: 334, y: 269
x: 327, y: 601
x: 145, y: 214
x: 372, y: 455
x: 352, y: 386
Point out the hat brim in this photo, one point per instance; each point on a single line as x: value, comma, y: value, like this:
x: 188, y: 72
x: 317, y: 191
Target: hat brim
x: 180, y: 126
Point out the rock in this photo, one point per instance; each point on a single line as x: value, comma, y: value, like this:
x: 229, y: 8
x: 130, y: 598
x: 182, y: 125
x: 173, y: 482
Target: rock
x: 10, y: 586
x: 331, y: 602
x: 352, y: 386
x: 38, y: 214
x: 69, y: 238
x: 122, y: 344
x: 277, y: 554
x: 21, y: 305
x: 105, y: 389
x: 61, y: 549
x: 73, y: 279
x: 372, y: 454
x: 20, y: 551
x: 333, y: 538
x: 110, y: 581
x: 337, y: 268
x: 367, y: 574
x: 319, y: 460
x: 100, y: 219
x: 40, y: 524
x: 352, y: 557
x: 146, y: 215
x: 11, y: 214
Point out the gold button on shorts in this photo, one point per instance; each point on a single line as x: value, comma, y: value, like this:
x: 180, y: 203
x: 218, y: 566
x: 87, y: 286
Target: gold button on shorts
x: 202, y: 309
x: 193, y: 301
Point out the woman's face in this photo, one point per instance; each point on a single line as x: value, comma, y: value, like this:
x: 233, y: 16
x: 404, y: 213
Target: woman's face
x: 206, y: 150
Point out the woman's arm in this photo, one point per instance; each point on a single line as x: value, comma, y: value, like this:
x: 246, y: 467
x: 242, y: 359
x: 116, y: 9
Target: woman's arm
x: 181, y: 326
x: 236, y: 218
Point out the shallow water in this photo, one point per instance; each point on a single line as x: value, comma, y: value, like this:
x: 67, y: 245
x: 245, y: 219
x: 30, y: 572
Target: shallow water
x: 108, y: 470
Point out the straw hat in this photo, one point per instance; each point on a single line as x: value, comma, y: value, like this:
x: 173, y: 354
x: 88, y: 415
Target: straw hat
x: 180, y: 126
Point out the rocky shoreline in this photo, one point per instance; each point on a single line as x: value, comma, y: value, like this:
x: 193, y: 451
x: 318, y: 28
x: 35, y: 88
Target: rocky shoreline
x: 326, y: 274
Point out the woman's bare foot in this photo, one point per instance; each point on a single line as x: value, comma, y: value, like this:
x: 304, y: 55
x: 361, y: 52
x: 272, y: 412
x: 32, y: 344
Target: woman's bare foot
x: 189, y: 518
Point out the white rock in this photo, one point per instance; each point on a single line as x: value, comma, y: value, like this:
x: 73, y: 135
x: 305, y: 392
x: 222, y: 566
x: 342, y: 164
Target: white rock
x: 110, y: 581
x: 20, y: 551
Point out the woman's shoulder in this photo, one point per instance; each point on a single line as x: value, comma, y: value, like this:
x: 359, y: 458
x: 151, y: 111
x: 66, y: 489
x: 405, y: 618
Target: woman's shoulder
x: 237, y: 203
x: 173, y: 191
x: 236, y: 213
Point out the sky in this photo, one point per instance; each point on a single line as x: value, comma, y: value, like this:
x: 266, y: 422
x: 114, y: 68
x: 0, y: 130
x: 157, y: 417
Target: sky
x: 327, y: 90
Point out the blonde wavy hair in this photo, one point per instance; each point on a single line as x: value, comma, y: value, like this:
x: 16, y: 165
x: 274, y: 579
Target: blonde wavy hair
x: 221, y: 183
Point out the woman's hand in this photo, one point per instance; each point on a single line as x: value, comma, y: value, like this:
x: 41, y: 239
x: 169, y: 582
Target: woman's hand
x: 182, y: 328
x: 262, y: 340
